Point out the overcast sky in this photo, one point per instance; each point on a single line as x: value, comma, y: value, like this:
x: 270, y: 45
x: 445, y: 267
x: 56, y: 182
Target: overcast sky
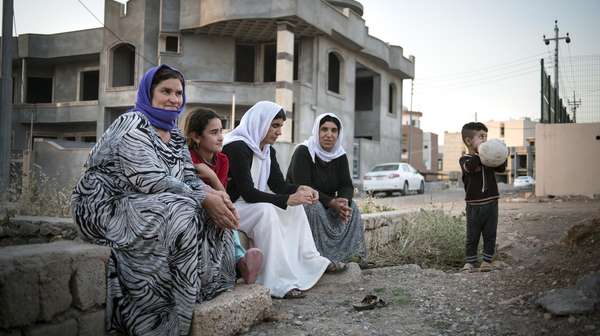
x: 471, y: 55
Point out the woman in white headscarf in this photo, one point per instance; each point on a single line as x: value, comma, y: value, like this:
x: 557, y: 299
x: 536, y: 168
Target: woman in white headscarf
x: 321, y: 163
x: 269, y: 208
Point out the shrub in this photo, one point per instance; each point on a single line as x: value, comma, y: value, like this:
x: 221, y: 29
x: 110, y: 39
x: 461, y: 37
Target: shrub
x: 431, y: 238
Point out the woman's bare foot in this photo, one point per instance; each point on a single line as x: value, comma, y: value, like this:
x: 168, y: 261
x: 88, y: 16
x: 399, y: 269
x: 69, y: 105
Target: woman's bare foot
x: 250, y: 265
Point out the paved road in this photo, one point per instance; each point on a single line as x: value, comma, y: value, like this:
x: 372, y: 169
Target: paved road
x: 447, y: 198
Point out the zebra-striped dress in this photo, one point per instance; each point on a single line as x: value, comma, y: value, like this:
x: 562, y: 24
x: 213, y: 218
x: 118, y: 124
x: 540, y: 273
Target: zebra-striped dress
x: 141, y: 197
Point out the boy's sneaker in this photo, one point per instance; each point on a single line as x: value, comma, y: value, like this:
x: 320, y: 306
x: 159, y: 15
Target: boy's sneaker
x: 468, y: 268
x: 485, y: 267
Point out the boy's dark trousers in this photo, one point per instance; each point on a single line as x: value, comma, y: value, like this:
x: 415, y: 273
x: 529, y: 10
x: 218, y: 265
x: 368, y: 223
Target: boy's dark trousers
x: 481, y: 220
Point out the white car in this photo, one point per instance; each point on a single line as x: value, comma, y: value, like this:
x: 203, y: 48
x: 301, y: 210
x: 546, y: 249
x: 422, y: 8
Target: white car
x: 524, y: 181
x: 390, y: 177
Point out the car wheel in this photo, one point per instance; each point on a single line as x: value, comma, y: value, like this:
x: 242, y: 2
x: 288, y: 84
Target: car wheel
x: 422, y: 188
x: 404, y: 191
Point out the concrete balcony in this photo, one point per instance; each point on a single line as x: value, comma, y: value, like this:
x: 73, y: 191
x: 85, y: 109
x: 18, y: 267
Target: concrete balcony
x: 220, y: 93
x: 80, y: 42
x: 86, y: 111
x: 257, y: 21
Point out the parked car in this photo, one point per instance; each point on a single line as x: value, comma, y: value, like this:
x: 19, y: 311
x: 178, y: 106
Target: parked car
x: 390, y: 177
x: 524, y: 181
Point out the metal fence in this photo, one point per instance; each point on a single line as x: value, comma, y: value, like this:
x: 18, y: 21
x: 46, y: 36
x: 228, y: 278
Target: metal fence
x: 579, y: 86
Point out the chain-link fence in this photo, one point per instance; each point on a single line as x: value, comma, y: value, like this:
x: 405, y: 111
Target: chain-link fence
x: 579, y: 86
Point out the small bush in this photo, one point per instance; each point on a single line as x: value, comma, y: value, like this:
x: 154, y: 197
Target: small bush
x: 430, y: 238
x: 46, y: 197
x: 368, y: 205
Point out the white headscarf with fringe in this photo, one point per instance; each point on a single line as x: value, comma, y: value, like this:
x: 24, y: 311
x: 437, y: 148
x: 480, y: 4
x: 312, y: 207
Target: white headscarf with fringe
x: 252, y: 130
x: 314, y: 146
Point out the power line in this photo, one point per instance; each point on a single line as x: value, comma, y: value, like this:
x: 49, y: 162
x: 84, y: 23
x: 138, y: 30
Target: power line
x: 458, y: 81
x: 115, y: 34
x: 525, y: 59
x: 486, y: 80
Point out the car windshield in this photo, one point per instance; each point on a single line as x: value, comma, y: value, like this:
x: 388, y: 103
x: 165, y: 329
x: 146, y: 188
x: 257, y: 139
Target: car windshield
x: 523, y: 178
x: 387, y: 167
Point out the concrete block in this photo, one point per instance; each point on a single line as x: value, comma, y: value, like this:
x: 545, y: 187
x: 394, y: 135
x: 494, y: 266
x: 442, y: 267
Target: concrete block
x: 55, y: 296
x: 89, y: 283
x: 92, y: 324
x: 232, y: 312
x: 66, y: 328
x: 352, y: 274
x: 34, y: 279
x: 19, y: 297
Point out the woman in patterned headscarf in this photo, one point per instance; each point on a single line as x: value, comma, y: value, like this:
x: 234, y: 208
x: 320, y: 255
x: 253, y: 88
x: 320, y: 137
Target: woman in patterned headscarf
x: 169, y: 233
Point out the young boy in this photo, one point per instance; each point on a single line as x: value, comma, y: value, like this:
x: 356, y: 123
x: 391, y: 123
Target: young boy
x: 481, y: 198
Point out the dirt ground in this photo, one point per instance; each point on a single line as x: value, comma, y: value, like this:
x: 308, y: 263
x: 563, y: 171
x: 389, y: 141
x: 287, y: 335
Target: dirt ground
x: 433, y: 302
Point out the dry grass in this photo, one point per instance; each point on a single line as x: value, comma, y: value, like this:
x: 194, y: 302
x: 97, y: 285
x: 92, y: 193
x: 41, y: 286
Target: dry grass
x: 430, y: 238
x: 46, y: 197
x: 369, y: 205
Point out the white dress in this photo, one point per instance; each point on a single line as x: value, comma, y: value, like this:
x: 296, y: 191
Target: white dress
x: 291, y: 259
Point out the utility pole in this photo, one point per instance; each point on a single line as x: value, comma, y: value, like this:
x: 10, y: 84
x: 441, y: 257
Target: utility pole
x: 410, y: 125
x: 6, y: 97
x: 556, y: 38
x: 574, y: 105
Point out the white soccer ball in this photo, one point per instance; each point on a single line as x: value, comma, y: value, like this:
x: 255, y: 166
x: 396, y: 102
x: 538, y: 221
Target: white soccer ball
x: 493, y: 153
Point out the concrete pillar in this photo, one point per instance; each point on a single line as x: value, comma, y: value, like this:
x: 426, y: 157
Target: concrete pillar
x: 23, y: 81
x: 530, y: 160
x: 284, y: 77
x: 515, y: 164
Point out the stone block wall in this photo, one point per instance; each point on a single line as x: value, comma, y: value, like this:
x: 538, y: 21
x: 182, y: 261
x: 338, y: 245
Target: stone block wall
x: 52, y: 289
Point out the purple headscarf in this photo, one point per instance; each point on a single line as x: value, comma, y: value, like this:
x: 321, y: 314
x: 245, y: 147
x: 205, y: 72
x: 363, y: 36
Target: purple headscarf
x: 160, y: 118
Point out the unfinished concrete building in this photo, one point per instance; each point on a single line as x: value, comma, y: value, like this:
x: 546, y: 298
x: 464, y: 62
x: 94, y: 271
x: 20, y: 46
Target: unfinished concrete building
x: 310, y: 56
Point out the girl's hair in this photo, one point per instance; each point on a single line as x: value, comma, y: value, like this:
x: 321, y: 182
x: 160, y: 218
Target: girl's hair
x: 163, y: 74
x: 280, y: 115
x: 332, y: 119
x: 196, y: 122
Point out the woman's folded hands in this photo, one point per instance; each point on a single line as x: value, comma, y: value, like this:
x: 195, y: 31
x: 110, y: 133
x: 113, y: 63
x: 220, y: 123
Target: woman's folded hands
x: 221, y: 209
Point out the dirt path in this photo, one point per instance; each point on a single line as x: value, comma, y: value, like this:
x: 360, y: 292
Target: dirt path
x: 432, y: 302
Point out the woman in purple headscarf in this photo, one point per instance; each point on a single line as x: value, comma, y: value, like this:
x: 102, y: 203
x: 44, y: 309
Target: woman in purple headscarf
x: 169, y: 233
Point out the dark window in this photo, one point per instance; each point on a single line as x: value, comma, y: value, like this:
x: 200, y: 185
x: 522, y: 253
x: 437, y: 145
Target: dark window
x: 70, y: 138
x: 39, y: 90
x: 172, y: 43
x: 270, y: 63
x: 522, y: 161
x: 334, y: 73
x: 89, y: 85
x: 392, y: 98
x: 296, y: 59
x: 244, y: 63
x: 364, y: 94
x: 502, y: 131
x: 123, y: 65
x: 426, y: 146
x: 89, y: 139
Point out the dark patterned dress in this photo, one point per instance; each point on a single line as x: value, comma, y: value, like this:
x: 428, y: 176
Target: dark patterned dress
x: 142, y: 198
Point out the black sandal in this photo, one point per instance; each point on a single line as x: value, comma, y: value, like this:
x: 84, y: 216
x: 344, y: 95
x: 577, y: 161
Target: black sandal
x: 294, y: 293
x: 369, y: 302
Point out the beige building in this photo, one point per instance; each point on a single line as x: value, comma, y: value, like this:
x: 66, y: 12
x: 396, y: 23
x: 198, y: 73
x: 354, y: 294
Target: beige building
x: 514, y: 132
x: 430, y: 151
x: 558, y: 174
x: 519, y: 136
x: 454, y: 148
